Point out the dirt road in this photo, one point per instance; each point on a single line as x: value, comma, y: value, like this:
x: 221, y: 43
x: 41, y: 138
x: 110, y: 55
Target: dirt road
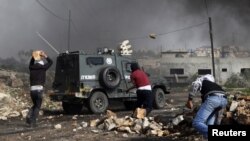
x: 15, y: 129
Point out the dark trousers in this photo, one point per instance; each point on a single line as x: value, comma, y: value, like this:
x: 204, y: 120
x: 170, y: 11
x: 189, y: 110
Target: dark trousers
x: 145, y: 100
x: 36, y: 97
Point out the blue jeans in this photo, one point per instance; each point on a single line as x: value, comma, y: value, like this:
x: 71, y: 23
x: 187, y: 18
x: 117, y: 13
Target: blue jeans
x: 210, y: 113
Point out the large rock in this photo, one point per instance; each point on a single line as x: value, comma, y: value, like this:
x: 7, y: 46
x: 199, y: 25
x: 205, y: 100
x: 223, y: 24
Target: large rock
x: 5, y: 104
x: 243, y: 112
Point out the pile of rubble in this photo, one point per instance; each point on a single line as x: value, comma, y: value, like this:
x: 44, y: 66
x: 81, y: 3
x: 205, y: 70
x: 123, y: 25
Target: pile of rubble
x: 11, y: 94
x: 150, y: 126
x: 14, y: 95
x: 239, y: 110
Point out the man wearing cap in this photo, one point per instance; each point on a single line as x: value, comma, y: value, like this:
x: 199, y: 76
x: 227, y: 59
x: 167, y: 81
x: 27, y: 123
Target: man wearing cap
x: 144, y: 91
x: 38, y: 68
x: 214, y: 101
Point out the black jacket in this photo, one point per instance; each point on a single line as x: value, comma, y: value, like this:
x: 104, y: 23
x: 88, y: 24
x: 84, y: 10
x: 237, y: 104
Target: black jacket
x: 38, y: 71
x: 209, y: 87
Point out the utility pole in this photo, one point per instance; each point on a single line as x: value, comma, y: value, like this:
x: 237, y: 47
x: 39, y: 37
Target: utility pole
x: 69, y: 30
x: 212, y: 46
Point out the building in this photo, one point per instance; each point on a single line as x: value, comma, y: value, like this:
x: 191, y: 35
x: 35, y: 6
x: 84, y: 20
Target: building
x: 206, y: 52
x: 180, y: 66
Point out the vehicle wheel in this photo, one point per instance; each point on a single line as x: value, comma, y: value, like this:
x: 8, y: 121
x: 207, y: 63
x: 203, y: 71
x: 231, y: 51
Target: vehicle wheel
x: 110, y: 77
x: 159, y: 98
x: 72, y: 108
x: 129, y: 105
x: 98, y: 102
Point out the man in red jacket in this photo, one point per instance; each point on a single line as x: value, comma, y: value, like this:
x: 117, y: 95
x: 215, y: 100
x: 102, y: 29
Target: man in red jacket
x: 38, y: 68
x: 144, y: 91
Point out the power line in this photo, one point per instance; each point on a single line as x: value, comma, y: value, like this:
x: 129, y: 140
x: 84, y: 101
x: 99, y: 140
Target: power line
x: 184, y: 28
x: 47, y: 9
x: 159, y: 34
x: 55, y: 15
x: 173, y: 31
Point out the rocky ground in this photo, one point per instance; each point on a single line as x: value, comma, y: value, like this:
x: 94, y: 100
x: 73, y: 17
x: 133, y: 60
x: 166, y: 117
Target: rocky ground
x: 173, y: 122
x: 54, y: 125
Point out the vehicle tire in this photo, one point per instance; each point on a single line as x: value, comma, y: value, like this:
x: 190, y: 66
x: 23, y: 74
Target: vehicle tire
x: 98, y: 102
x: 129, y: 105
x: 110, y: 77
x: 159, y: 98
x: 72, y: 108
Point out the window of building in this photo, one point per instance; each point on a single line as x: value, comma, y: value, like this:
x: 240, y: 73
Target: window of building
x: 204, y: 71
x: 224, y: 69
x: 177, y: 71
x: 245, y: 70
x: 95, y: 61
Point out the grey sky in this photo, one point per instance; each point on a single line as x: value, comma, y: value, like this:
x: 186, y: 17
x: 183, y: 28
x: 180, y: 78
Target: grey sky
x: 105, y: 23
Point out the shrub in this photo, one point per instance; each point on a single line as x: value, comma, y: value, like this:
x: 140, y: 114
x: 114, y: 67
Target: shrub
x: 237, y: 81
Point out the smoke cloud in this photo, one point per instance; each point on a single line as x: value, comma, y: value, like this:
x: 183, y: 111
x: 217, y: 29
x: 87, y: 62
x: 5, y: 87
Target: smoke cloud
x: 96, y: 24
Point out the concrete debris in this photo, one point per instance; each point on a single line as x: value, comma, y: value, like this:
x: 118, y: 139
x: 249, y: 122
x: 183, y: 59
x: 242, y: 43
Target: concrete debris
x: 74, y: 123
x: 79, y: 128
x: 15, y: 95
x: 50, y: 117
x: 165, y: 125
x: 41, y: 113
x: 94, y: 122
x: 243, y: 112
x: 125, y: 129
x: 125, y: 135
x: 246, y: 98
x: 14, y: 114
x: 24, y: 113
x: 233, y: 106
x: 75, y: 117
x: 29, y: 138
x: 3, y: 118
x: 139, y: 113
x: 177, y: 119
x: 110, y: 114
x: 58, y: 126
x: 95, y: 131
x: 84, y: 124
x: 131, y: 125
x: 109, y: 124
x: 145, y: 123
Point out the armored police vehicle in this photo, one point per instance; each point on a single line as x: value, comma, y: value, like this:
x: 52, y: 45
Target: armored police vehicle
x: 92, y: 80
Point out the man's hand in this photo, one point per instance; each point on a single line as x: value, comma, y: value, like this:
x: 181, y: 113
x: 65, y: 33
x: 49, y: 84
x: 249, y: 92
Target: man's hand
x: 127, y: 91
x: 42, y: 53
x: 189, y: 104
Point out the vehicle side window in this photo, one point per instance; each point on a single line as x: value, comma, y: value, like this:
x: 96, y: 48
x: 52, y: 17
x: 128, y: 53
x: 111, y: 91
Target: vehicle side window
x: 128, y: 69
x: 95, y: 61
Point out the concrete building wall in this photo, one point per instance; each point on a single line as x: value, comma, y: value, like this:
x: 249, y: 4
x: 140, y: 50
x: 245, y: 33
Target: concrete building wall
x: 193, y: 64
x: 233, y: 65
